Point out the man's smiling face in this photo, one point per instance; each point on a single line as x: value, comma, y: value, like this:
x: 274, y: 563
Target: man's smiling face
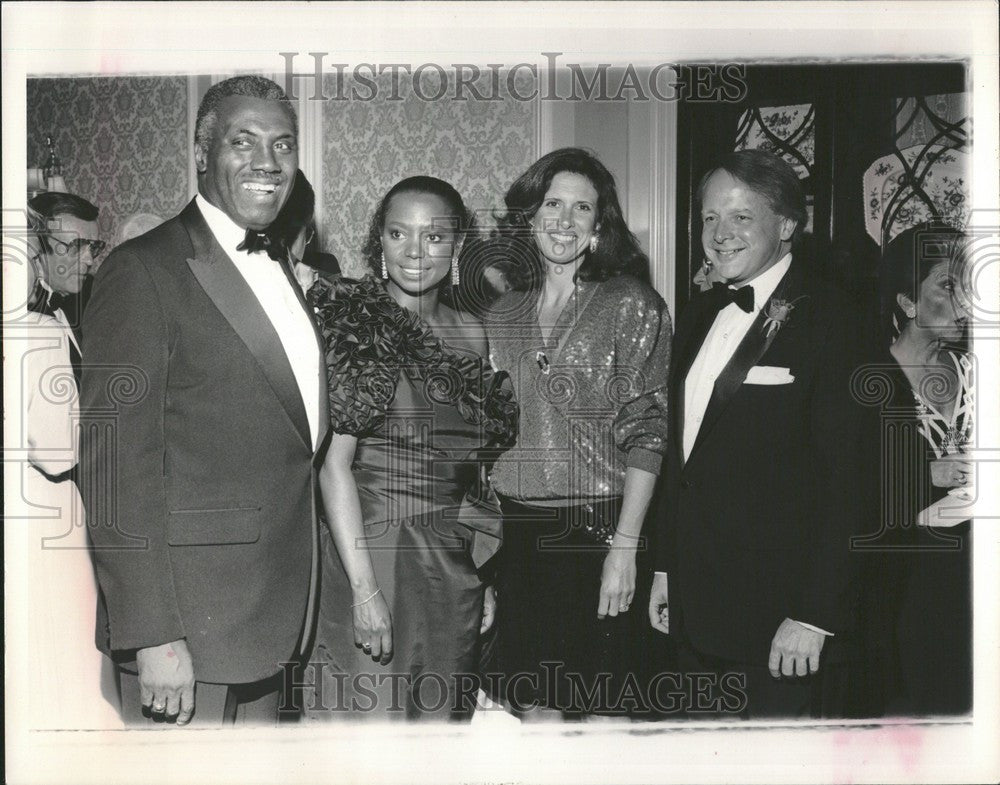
x: 741, y: 234
x: 248, y: 168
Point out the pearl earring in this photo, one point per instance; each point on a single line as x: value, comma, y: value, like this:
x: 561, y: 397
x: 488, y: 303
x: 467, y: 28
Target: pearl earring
x: 385, y: 270
x: 593, y: 243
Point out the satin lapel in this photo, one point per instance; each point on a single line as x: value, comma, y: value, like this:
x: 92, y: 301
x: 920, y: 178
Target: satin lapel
x: 235, y: 299
x: 686, y: 346
x: 753, y: 346
x: 324, y: 392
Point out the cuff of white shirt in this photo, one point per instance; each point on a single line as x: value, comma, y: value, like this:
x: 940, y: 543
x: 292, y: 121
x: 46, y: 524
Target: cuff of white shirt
x: 820, y: 630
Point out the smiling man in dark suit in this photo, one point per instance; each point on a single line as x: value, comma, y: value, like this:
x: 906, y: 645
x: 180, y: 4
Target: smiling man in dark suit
x: 204, y: 409
x: 763, y: 485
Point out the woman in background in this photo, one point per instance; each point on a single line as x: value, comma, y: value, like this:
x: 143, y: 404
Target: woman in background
x: 416, y: 415
x: 923, y: 601
x: 587, y: 344
x: 296, y: 228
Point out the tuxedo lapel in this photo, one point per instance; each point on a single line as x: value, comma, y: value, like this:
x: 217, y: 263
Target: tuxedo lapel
x: 687, y: 343
x: 324, y: 392
x: 753, y: 346
x: 236, y: 301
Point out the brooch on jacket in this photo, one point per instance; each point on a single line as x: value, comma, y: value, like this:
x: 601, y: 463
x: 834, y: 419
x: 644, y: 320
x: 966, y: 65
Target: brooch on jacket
x: 543, y: 362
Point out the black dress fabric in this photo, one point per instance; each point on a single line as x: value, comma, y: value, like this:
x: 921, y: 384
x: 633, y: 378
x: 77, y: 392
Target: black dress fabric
x: 427, y: 419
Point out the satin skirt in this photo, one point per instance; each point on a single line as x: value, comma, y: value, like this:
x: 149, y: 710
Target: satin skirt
x: 425, y: 570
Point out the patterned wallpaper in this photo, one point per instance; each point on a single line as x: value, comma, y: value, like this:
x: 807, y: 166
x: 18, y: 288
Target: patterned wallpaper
x: 124, y: 145
x: 123, y: 142
x: 480, y: 147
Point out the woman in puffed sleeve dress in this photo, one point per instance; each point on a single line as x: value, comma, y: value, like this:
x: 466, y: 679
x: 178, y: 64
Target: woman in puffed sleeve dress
x: 418, y: 416
x: 587, y: 344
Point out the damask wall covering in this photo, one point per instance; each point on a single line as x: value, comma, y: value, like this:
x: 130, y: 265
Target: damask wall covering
x: 480, y: 147
x: 125, y: 145
x: 123, y: 142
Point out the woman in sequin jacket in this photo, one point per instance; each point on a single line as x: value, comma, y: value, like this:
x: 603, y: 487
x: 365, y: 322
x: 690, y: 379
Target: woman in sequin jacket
x: 587, y: 345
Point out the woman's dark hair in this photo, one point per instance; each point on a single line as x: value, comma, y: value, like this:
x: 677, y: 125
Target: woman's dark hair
x: 906, y: 262
x: 420, y: 184
x: 475, y: 294
x: 766, y: 174
x: 297, y: 212
x: 618, y: 251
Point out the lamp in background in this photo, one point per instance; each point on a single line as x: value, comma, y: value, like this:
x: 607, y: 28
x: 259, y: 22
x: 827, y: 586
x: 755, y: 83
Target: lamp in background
x: 52, y: 173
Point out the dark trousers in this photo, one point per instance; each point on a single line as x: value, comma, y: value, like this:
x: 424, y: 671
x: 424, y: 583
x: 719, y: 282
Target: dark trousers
x: 765, y: 696
x: 216, y: 705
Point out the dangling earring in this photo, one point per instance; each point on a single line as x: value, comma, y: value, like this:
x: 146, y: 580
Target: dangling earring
x: 593, y: 243
x: 385, y: 270
x: 454, y: 271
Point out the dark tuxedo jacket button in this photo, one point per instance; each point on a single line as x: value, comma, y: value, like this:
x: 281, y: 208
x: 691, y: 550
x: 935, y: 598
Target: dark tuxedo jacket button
x: 686, y: 484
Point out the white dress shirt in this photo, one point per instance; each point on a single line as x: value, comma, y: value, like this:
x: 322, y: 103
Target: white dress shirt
x: 276, y: 296
x: 727, y: 332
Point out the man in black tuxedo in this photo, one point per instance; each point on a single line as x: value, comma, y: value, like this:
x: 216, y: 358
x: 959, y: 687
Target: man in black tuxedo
x: 764, y: 484
x: 65, y: 248
x: 204, y: 409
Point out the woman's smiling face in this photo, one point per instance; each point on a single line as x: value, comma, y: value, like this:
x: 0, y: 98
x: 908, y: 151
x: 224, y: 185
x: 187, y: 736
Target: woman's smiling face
x: 566, y: 219
x: 418, y: 240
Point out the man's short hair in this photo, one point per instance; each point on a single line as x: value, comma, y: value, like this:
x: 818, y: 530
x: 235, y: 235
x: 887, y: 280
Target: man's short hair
x: 766, y: 174
x: 51, y: 205
x: 249, y: 86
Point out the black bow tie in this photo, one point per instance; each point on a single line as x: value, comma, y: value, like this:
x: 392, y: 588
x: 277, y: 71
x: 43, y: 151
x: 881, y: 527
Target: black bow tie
x: 271, y: 243
x: 743, y: 297
x: 46, y: 302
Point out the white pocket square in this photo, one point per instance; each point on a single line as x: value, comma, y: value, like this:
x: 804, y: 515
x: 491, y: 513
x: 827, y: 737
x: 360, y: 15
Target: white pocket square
x: 768, y: 374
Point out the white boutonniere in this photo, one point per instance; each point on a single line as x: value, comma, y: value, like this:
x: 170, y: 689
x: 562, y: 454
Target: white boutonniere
x: 777, y: 313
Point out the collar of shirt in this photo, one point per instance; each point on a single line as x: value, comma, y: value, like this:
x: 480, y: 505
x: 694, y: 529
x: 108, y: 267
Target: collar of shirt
x: 765, y: 283
x: 228, y: 233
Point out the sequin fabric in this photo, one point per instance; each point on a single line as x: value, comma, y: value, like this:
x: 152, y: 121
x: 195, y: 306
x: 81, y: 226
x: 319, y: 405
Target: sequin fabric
x: 593, y: 397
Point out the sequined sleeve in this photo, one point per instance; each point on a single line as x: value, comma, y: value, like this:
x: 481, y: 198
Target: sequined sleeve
x: 642, y: 361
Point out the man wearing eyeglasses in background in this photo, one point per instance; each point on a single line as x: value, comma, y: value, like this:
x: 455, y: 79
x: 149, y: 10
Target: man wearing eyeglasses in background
x: 65, y: 252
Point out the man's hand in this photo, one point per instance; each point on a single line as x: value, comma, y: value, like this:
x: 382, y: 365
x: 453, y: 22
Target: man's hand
x: 795, y: 650
x: 166, y: 680
x: 489, y: 609
x: 659, y: 605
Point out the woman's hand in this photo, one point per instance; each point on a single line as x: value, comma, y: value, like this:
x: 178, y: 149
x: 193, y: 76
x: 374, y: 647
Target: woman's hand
x: 951, y: 472
x: 489, y: 609
x: 617, y: 581
x: 373, y: 627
